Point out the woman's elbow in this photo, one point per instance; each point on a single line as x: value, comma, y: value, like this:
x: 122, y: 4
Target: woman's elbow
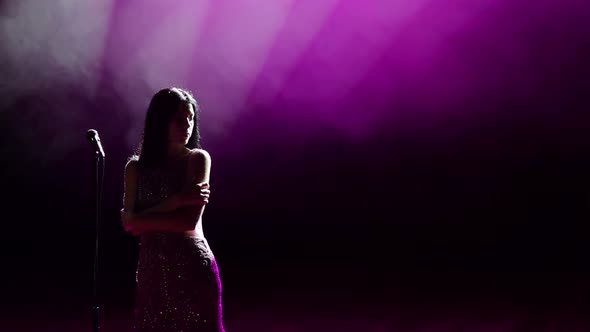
x: 127, y: 216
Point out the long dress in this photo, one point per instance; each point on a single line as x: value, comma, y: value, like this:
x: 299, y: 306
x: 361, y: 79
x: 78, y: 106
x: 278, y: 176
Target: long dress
x: 178, y: 284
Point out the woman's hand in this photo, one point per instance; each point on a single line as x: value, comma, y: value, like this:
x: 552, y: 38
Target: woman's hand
x: 204, y: 191
x: 195, y: 194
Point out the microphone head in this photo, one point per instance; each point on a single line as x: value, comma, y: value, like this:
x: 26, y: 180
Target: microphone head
x: 91, y: 134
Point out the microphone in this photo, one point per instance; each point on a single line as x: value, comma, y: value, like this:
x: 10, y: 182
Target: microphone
x: 92, y: 136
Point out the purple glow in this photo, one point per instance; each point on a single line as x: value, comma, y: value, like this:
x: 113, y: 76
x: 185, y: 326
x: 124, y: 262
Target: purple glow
x: 297, y: 84
x: 338, y: 65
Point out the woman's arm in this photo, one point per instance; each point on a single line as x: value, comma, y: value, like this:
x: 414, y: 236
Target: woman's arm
x: 161, y: 218
x: 129, y: 189
x: 178, y: 213
x: 199, y: 169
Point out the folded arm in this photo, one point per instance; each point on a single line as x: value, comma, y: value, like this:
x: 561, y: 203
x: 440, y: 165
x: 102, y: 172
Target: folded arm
x: 178, y: 213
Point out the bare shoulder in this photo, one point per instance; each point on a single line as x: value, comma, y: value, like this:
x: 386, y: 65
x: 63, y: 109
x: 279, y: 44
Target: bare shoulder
x: 201, y: 165
x: 131, y: 166
x: 200, y: 156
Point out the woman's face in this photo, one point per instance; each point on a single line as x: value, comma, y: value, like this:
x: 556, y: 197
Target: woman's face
x: 181, y: 125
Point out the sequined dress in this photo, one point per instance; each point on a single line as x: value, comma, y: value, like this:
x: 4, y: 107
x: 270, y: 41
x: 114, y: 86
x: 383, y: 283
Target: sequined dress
x: 178, y: 284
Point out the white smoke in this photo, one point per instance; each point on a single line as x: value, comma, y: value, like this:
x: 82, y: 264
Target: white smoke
x: 46, y: 43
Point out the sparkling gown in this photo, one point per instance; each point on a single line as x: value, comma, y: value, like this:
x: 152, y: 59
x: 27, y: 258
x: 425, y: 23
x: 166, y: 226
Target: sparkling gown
x: 178, y: 285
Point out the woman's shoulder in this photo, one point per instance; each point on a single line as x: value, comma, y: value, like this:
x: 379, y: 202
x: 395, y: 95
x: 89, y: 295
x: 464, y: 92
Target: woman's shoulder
x: 132, y: 161
x: 132, y: 166
x: 199, y: 160
x: 199, y: 154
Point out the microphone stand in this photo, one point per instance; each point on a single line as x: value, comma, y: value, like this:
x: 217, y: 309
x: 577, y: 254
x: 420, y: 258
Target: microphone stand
x: 98, y: 181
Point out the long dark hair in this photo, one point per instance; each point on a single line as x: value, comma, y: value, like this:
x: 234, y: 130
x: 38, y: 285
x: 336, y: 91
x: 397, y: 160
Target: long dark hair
x: 152, y: 150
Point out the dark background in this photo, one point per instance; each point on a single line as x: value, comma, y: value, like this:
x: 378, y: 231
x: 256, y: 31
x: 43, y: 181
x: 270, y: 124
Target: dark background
x: 454, y: 221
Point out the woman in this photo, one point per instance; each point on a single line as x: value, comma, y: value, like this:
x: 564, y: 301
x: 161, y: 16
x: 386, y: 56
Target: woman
x: 166, y: 190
